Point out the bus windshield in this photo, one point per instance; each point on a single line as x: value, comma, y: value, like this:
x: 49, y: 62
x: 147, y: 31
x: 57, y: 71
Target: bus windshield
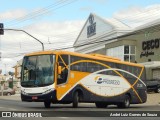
x: 38, y: 71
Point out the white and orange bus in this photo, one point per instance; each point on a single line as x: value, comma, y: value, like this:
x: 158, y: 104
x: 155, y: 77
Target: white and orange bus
x: 69, y: 77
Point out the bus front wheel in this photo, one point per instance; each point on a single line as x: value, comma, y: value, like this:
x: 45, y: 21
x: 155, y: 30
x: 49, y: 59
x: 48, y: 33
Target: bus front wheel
x: 75, y: 100
x: 47, y: 104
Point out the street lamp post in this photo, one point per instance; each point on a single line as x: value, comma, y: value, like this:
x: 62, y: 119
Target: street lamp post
x: 29, y: 35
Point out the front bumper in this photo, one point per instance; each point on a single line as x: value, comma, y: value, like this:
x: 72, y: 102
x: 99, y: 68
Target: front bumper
x: 51, y: 96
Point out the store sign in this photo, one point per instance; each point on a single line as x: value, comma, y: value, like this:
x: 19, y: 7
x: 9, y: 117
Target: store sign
x: 151, y: 44
x: 91, y: 29
x: 148, y: 46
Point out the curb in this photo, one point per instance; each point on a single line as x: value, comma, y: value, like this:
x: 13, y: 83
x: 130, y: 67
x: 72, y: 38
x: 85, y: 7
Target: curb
x: 12, y: 97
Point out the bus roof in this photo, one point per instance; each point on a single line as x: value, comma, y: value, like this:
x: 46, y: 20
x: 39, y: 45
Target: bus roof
x: 92, y: 56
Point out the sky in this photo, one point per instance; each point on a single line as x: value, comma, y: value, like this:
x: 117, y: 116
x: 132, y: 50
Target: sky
x: 57, y: 23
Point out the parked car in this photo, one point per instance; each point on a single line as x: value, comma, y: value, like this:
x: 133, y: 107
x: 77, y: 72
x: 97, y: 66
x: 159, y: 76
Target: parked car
x: 153, y: 85
x: 7, y: 91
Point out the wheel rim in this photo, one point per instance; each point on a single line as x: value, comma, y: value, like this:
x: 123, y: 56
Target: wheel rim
x: 127, y: 102
x: 158, y: 90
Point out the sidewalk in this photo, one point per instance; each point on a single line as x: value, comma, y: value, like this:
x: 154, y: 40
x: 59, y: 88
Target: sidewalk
x: 16, y: 97
x: 153, y: 99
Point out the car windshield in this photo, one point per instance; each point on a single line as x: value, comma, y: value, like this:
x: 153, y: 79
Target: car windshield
x: 38, y: 71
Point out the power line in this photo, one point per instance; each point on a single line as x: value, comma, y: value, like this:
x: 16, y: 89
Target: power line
x: 41, y: 13
x: 94, y: 38
x: 93, y: 42
x: 36, y: 12
x: 102, y: 26
x: 89, y: 39
x: 33, y: 13
x: 118, y: 37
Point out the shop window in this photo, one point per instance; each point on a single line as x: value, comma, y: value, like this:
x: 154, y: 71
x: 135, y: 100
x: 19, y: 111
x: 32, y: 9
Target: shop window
x: 126, y: 49
x: 132, y: 58
x: 132, y: 49
x: 126, y: 57
x: 129, y: 53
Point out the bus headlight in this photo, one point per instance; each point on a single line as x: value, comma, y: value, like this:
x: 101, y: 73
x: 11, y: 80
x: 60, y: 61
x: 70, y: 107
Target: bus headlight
x: 24, y: 93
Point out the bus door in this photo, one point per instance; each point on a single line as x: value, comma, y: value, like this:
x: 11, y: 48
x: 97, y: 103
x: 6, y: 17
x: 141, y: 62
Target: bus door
x: 62, y: 76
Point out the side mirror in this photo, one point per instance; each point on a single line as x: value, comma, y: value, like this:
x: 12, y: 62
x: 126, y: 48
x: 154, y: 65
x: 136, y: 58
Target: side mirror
x: 59, y: 70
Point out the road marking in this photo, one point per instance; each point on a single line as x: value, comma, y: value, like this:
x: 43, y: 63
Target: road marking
x: 63, y: 117
x: 12, y: 109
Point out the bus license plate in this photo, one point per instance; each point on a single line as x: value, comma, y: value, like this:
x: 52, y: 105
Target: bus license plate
x: 34, y: 98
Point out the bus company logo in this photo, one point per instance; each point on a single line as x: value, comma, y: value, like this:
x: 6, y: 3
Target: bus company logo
x: 100, y: 80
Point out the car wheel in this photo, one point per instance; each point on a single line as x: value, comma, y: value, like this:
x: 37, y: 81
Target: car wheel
x: 158, y: 90
x: 8, y: 94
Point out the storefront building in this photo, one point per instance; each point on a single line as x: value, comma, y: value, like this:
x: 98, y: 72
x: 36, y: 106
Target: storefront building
x: 114, y: 38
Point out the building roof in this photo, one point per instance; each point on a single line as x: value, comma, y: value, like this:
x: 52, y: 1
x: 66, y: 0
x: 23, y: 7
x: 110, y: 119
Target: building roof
x: 117, y: 23
x: 113, y: 22
x: 149, y: 24
x: 154, y: 24
x: 106, y: 28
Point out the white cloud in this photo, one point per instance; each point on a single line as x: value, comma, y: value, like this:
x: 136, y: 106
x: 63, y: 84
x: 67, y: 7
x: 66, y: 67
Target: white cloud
x: 13, y: 43
x: 12, y: 14
x: 61, y: 34
x: 56, y: 31
x: 87, y: 8
x: 135, y: 16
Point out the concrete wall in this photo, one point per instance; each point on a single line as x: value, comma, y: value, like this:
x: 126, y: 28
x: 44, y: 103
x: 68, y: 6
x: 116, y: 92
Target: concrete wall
x: 142, y: 37
x: 100, y: 51
x: 120, y: 42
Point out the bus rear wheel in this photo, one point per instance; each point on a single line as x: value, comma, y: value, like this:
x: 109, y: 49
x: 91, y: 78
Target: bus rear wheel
x: 75, y: 100
x: 47, y: 104
x: 125, y: 103
x: 101, y: 105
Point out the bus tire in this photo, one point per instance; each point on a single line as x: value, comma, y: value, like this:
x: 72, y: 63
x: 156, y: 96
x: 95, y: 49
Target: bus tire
x: 75, y: 100
x: 125, y: 103
x: 101, y: 105
x: 47, y: 104
x: 158, y: 90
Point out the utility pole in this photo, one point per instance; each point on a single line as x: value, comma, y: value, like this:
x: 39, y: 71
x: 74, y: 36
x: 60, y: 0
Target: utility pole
x: 5, y: 69
x: 1, y: 33
x: 29, y: 35
x: 0, y: 49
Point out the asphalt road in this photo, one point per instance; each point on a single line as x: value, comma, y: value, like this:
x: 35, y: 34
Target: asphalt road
x: 66, y: 111
x: 17, y: 105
